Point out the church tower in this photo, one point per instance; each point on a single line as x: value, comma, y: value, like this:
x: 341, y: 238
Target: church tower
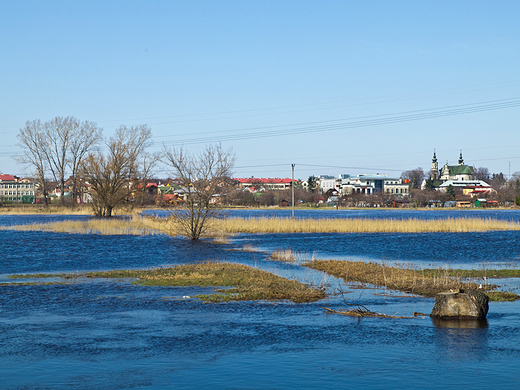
x: 461, y: 160
x: 434, y: 173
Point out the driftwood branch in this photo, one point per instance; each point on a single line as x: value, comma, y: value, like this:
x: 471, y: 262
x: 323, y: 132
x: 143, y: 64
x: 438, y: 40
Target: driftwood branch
x: 362, y: 311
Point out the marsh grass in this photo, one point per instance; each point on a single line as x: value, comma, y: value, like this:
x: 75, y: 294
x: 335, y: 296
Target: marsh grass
x: 286, y: 255
x: 360, y: 225
x: 409, y: 280
x: 247, y: 283
x: 135, y: 225
x: 220, y: 229
x: 249, y: 248
x: 24, y: 209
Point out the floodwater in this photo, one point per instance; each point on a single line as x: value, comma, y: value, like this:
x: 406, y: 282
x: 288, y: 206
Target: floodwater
x: 107, y: 334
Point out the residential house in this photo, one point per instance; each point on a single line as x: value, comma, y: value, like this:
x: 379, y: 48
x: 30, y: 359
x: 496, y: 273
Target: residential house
x: 14, y: 189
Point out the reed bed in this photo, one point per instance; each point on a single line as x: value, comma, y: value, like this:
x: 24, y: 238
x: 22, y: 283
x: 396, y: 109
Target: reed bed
x: 39, y: 209
x: 360, y: 225
x: 421, y: 282
x: 221, y: 228
x: 247, y: 283
x: 106, y: 226
x: 287, y: 256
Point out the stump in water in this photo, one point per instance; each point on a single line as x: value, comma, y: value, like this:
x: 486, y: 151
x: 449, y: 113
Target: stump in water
x: 466, y: 304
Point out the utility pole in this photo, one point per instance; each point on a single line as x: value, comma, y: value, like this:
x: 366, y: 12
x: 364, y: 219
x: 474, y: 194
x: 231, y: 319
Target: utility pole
x: 292, y: 188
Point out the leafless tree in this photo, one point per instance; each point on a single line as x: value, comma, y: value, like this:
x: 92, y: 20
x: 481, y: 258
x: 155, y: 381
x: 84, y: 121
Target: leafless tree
x: 148, y: 162
x: 85, y: 137
x: 56, y: 146
x: 57, y: 135
x: 203, y: 176
x: 482, y: 173
x: 415, y: 177
x: 31, y: 139
x: 109, y: 174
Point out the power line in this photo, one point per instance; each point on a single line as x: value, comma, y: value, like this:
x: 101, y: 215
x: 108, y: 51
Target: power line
x: 358, y: 122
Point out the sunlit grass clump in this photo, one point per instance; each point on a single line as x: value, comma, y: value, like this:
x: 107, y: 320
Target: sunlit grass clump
x: 360, y: 225
x: 426, y: 282
x: 246, y: 283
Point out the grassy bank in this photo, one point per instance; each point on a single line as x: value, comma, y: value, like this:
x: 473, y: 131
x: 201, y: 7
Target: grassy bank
x: 421, y: 282
x: 241, y: 282
x: 246, y: 283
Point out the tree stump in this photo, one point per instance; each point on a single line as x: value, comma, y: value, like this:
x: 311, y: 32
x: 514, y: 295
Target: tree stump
x: 466, y: 304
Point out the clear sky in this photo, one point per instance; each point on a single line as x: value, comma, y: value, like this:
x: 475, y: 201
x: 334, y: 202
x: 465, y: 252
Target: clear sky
x: 331, y: 86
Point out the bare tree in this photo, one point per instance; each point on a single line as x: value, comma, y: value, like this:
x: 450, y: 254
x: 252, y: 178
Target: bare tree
x: 148, y: 161
x: 415, y: 177
x: 56, y: 146
x: 57, y: 135
x: 31, y: 138
x: 109, y: 175
x: 85, y: 137
x: 482, y: 173
x: 202, y: 176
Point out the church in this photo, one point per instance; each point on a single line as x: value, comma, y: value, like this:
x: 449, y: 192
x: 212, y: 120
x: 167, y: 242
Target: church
x: 457, y: 172
x: 460, y: 175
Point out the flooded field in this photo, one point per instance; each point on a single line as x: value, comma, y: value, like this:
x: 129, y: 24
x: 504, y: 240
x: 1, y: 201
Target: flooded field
x: 108, y: 334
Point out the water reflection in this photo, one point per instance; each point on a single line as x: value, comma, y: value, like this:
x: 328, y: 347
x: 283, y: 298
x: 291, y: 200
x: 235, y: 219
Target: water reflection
x: 460, y: 324
x: 462, y: 340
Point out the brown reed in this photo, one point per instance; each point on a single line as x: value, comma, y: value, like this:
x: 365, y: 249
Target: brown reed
x: 360, y: 225
x: 106, y: 226
x: 401, y: 278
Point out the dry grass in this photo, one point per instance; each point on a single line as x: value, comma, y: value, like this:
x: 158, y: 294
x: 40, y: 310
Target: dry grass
x: 286, y: 255
x: 360, y: 225
x: 107, y: 226
x: 422, y: 282
x: 249, y: 283
x: 220, y: 229
x: 39, y: 209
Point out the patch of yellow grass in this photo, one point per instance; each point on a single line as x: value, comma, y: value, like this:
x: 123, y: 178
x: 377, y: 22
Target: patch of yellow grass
x: 286, y: 255
x: 39, y: 209
x: 360, y: 225
x: 106, y: 226
x: 219, y: 229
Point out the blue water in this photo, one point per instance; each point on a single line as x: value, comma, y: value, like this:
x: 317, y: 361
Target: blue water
x: 115, y: 335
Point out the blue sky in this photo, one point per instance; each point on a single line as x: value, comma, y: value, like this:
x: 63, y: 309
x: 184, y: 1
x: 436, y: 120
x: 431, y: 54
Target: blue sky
x: 331, y: 86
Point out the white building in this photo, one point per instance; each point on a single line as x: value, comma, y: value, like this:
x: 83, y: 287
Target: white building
x: 326, y: 182
x: 363, y: 184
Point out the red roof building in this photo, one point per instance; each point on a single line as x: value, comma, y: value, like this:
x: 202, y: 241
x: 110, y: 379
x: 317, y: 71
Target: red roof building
x: 267, y: 183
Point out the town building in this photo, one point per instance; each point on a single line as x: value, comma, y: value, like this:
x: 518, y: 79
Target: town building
x: 255, y: 184
x: 367, y: 184
x: 14, y: 189
x: 468, y: 187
